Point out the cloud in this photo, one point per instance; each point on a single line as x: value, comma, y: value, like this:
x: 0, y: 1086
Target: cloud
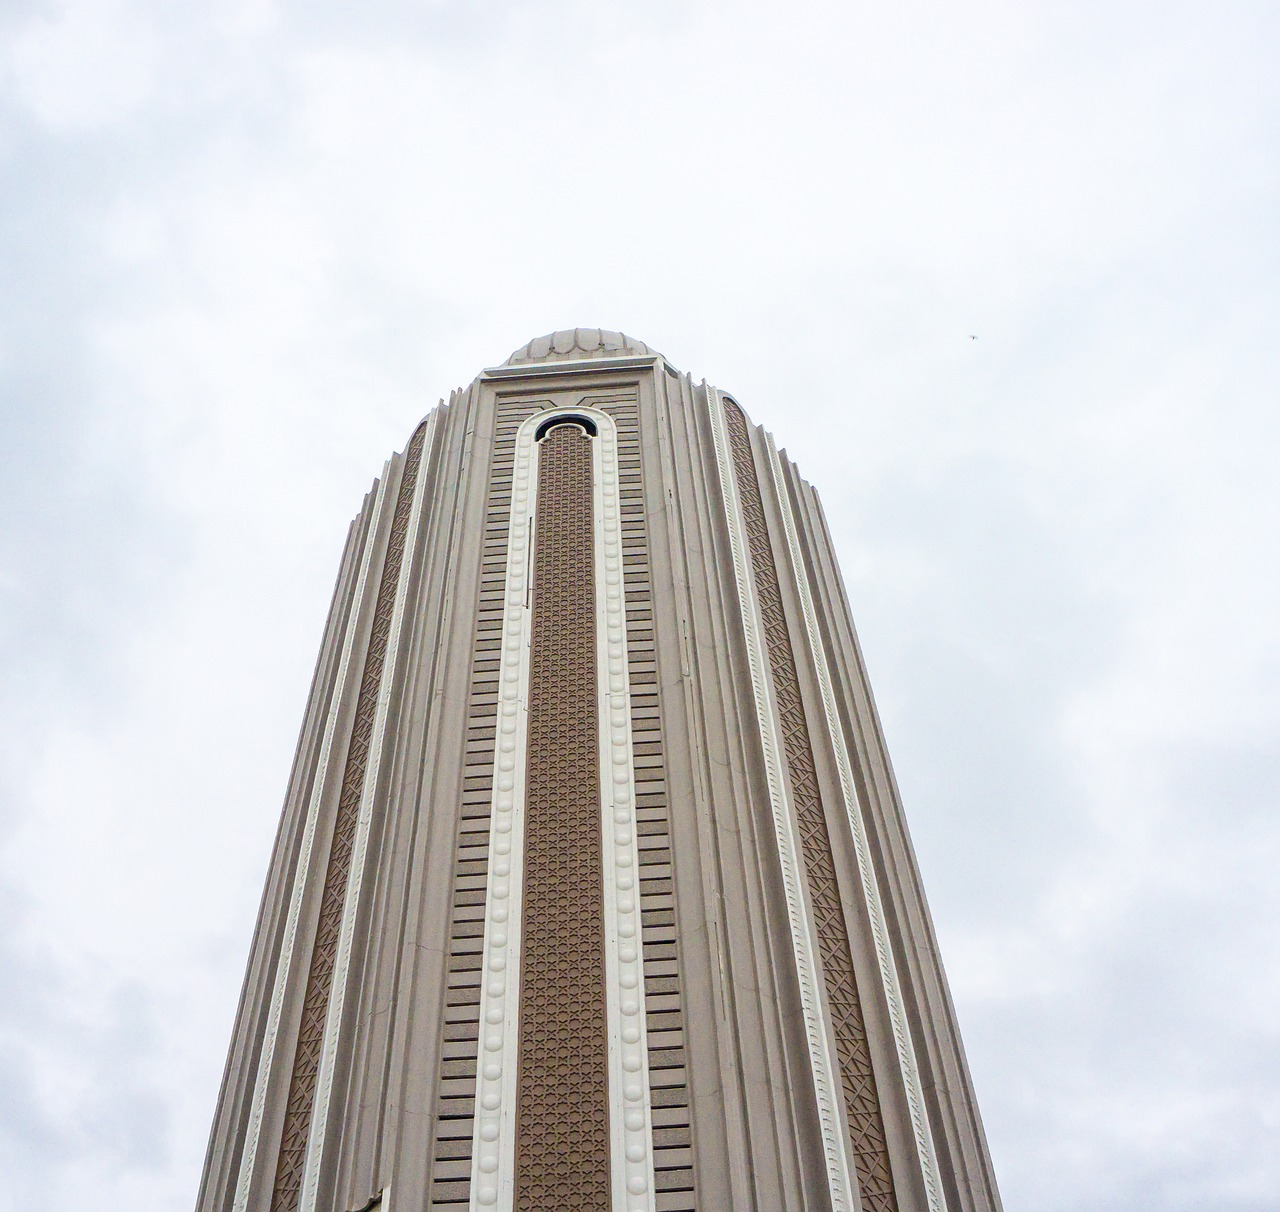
x: 246, y: 249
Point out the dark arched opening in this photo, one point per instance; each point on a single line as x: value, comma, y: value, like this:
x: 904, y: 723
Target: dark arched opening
x: 587, y: 425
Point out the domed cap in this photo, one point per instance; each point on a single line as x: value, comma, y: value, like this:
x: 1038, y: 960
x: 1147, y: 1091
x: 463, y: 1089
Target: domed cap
x: 576, y: 343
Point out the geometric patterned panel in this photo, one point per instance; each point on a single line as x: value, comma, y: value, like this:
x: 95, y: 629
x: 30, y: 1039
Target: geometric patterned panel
x: 862, y: 1104
x: 664, y: 1000
x: 302, y: 1086
x: 562, y: 1116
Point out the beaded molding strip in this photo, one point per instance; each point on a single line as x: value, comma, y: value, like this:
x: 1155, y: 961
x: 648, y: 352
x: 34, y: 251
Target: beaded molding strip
x: 630, y: 1126
x: 842, y: 1185
x: 291, y: 1162
x: 866, y: 870
x: 493, y: 1142
x: 355, y: 879
x: 302, y: 871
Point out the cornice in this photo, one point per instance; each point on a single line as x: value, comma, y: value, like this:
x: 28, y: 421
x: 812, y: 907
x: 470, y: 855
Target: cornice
x: 575, y: 366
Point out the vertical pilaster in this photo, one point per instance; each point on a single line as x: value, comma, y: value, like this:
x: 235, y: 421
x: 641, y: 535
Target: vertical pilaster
x: 301, y: 885
x: 312, y: 1064
x: 908, y: 1070
x: 752, y: 572
x: 562, y: 1111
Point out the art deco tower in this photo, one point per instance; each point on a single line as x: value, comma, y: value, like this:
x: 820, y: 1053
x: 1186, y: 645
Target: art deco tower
x: 592, y: 888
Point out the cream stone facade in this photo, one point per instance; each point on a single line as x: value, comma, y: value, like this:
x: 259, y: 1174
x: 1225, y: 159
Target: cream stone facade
x: 593, y: 888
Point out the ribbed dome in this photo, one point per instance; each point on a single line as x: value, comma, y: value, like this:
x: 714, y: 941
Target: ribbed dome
x: 576, y: 343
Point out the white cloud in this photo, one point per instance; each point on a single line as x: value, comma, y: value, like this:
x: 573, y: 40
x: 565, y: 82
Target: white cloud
x: 248, y: 249
x: 88, y: 65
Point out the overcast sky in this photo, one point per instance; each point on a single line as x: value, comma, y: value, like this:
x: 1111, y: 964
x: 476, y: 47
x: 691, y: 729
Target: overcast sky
x: 245, y: 246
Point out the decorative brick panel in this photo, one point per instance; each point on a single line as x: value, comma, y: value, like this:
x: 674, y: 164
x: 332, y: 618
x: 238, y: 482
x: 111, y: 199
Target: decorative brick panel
x: 862, y: 1104
x: 562, y: 1115
x: 302, y: 1086
x: 456, y: 1090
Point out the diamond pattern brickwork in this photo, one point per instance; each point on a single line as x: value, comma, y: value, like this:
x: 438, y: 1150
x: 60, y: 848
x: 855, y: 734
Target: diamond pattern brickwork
x: 862, y: 1104
x: 306, y: 1061
x: 562, y: 1113
x: 668, y: 1069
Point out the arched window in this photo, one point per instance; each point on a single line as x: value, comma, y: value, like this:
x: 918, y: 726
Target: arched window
x: 587, y: 425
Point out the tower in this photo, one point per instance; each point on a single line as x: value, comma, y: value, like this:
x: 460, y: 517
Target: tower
x: 592, y: 888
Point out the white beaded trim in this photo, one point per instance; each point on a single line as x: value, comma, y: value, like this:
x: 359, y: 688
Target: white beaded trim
x: 630, y: 1129
x: 866, y: 870
x: 302, y: 871
x: 497, y: 1049
x: 355, y: 877
x: 493, y: 1145
x: 840, y: 1179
